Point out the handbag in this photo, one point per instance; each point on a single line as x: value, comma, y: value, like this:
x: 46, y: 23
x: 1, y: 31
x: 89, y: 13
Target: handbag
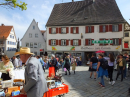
x: 94, y: 65
x: 64, y: 69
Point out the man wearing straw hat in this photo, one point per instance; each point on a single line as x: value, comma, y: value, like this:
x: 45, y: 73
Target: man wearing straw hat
x: 35, y: 83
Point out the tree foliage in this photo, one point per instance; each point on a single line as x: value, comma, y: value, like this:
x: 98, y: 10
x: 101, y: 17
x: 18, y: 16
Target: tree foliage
x: 14, y: 4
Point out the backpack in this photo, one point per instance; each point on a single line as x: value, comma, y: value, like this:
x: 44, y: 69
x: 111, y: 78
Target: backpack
x: 104, y: 64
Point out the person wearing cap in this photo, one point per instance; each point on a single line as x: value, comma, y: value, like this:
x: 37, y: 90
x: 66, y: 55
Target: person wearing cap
x: 35, y: 82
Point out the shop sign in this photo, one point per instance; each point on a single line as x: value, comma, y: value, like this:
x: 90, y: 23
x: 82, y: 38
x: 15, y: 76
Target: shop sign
x: 41, y: 50
x: 72, y: 48
x: 99, y: 48
x: 102, y: 41
x: 54, y: 49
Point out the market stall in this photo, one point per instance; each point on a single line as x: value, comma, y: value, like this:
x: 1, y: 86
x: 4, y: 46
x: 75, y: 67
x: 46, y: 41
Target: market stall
x: 56, y: 86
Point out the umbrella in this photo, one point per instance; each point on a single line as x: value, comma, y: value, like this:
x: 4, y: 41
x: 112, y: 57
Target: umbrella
x: 100, y: 51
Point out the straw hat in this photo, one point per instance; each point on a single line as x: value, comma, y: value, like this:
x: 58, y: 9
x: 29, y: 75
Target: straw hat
x: 24, y: 50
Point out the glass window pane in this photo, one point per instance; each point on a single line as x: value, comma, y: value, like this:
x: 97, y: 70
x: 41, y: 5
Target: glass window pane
x: 36, y: 35
x: 74, y: 29
x: 63, y: 30
x: 53, y: 30
x: 39, y: 45
x: 104, y: 28
x: 89, y: 29
x: 31, y: 45
x: 27, y: 44
x: 35, y: 45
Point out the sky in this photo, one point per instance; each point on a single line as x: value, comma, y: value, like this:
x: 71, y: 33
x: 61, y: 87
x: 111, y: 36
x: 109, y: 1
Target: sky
x: 40, y: 10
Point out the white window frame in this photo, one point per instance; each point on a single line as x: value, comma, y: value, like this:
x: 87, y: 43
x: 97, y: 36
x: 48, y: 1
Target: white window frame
x: 89, y: 29
x: 53, y: 42
x: 74, y: 30
x: 31, y: 44
x: 89, y: 42
x: 35, y: 45
x: 63, y: 42
x: 63, y: 30
x: 75, y: 42
x: 39, y: 45
x: 115, y: 41
x: 115, y: 28
x: 30, y: 35
x: 36, y: 35
x: 53, y: 31
x: 27, y: 44
x: 104, y: 28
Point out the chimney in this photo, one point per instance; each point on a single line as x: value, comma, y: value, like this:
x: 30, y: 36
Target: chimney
x: 2, y: 24
x: 72, y: 0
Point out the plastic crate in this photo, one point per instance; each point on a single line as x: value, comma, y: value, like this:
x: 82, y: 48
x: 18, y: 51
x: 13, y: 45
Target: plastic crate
x: 21, y: 95
x: 57, y: 91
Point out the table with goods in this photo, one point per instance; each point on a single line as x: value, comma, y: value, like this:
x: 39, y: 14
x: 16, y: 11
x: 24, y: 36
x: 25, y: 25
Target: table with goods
x: 56, y: 86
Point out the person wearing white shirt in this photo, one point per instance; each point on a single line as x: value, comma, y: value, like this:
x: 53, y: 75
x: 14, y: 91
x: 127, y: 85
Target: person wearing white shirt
x: 15, y: 62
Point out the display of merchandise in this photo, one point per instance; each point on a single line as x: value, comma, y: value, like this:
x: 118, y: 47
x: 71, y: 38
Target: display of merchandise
x: 7, y: 83
x: 15, y: 93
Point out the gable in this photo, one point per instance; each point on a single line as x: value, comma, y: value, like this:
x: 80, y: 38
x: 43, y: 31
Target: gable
x: 34, y: 31
x: 127, y: 27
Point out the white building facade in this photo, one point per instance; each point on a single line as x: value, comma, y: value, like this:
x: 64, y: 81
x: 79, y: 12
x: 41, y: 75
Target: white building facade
x: 77, y: 40
x: 126, y: 39
x: 83, y: 28
x: 8, y: 40
x: 34, y: 39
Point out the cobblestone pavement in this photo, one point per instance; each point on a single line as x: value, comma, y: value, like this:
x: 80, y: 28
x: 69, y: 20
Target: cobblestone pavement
x: 80, y: 85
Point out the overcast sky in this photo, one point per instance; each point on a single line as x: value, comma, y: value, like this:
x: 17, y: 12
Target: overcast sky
x: 40, y: 10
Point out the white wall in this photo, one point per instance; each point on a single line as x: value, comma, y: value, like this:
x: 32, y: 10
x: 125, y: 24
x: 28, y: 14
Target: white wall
x: 126, y: 39
x: 40, y: 38
x: 96, y: 36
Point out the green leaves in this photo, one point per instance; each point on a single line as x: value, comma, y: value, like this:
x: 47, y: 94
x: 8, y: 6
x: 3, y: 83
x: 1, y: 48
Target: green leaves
x: 15, y: 4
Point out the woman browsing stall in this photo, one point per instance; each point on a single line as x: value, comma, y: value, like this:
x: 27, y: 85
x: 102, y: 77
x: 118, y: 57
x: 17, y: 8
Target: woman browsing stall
x: 5, y: 67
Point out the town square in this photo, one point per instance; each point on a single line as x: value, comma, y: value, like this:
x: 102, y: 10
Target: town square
x: 64, y: 48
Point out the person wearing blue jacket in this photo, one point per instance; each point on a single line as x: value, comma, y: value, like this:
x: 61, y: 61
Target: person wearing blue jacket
x: 42, y: 62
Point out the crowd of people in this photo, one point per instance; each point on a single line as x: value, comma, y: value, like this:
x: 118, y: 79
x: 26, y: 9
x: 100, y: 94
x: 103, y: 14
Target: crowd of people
x: 102, y: 66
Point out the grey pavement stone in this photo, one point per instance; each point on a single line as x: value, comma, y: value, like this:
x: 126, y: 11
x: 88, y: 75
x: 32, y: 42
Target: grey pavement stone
x: 80, y: 85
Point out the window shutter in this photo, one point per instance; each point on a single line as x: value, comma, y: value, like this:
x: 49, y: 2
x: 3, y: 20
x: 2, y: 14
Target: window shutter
x: 67, y: 42
x: 77, y: 30
x: 56, y: 42
x: 106, y: 28
x: 110, y: 28
x: 91, y: 41
x: 111, y: 43
x: 86, y: 41
x: 59, y: 42
x: 107, y: 43
x: 100, y: 43
x: 86, y: 29
x: 79, y: 41
x: 120, y: 40
x: 49, y: 42
x: 72, y: 30
x: 67, y: 29
x: 120, y: 27
x: 49, y: 30
x: 101, y: 28
x: 92, y: 29
x: 59, y: 30
x: 71, y: 42
x: 56, y: 30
